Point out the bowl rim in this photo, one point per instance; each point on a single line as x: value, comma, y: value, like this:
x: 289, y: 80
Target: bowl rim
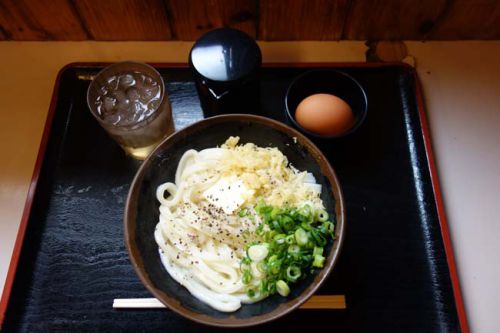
x: 329, y: 70
x: 283, y: 309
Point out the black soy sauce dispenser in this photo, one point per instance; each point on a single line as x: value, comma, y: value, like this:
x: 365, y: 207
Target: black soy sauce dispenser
x: 226, y: 63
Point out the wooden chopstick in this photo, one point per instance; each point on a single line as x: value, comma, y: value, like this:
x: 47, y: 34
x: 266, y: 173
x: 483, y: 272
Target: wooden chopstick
x: 137, y: 303
x: 315, y: 302
x: 325, y: 302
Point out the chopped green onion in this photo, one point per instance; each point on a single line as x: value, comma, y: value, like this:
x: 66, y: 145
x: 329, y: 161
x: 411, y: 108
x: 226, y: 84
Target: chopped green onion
x: 293, y: 249
x: 293, y: 273
x: 271, y: 288
x: 287, y: 223
x: 251, y: 293
x: 317, y: 251
x: 290, y: 239
x: 247, y: 277
x: 318, y: 238
x: 258, y: 252
x: 291, y: 243
x: 322, y: 216
x: 261, y: 266
x: 261, y: 207
x: 273, y: 264
x: 318, y: 261
x: 306, y: 226
x: 306, y: 259
x: 243, y: 266
x: 329, y: 226
x: 254, y: 270
x: 282, y: 288
x: 276, y: 226
x: 305, y: 210
x: 272, y: 258
x: 260, y: 230
x: 275, y: 212
x: 263, y: 287
x: 269, y: 236
x: 305, y: 214
x: 280, y: 238
x: 301, y: 237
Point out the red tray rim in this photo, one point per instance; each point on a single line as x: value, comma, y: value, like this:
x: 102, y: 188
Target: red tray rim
x: 450, y: 257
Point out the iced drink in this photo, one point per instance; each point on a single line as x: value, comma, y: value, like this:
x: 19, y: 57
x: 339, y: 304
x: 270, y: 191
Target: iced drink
x: 129, y: 100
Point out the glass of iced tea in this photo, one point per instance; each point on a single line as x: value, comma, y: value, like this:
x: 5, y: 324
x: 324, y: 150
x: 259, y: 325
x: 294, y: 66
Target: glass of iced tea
x: 130, y: 102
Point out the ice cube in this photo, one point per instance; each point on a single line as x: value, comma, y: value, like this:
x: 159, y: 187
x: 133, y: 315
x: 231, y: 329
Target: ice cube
x: 124, y: 106
x: 114, y: 119
x: 138, y: 107
x: 147, y: 94
x: 103, y: 90
x: 139, y: 80
x: 133, y: 94
x: 109, y: 103
x: 148, y: 81
x: 112, y: 83
x: 132, y: 113
x: 119, y: 95
x: 126, y: 81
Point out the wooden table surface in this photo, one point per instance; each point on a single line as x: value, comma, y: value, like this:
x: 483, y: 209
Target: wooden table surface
x: 461, y: 83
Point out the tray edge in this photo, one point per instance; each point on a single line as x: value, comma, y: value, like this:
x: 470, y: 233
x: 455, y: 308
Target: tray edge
x: 16, y: 251
x: 438, y: 197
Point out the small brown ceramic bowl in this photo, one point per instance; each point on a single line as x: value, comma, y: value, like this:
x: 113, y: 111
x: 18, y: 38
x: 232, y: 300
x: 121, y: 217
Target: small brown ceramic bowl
x: 141, y: 214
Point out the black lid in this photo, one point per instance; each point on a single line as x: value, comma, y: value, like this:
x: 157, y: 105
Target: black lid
x: 224, y: 55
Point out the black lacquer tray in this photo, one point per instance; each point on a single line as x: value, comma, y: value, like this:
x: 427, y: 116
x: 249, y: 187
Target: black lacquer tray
x: 396, y: 269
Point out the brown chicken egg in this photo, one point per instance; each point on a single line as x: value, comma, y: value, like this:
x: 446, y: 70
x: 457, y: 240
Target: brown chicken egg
x: 325, y: 115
